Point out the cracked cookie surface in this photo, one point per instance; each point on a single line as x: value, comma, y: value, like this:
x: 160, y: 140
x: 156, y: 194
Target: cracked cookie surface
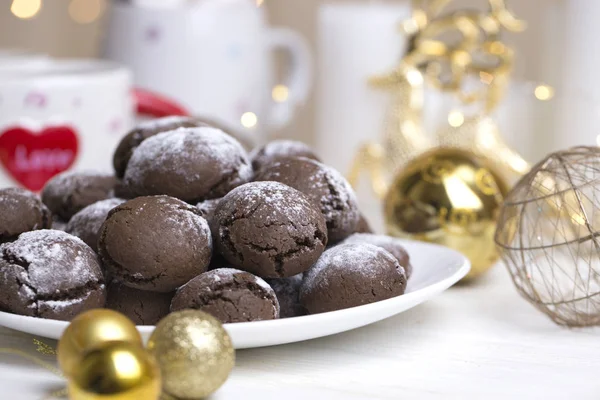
x: 155, y: 243
x: 21, y: 211
x: 270, y: 230
x: 50, y: 274
x: 146, y: 130
x: 191, y: 164
x: 230, y: 295
x: 350, y: 275
x: 324, y: 186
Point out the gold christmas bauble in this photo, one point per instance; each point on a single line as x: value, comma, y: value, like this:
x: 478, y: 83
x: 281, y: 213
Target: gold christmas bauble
x: 450, y: 197
x: 90, y: 330
x: 116, y: 371
x: 194, y: 353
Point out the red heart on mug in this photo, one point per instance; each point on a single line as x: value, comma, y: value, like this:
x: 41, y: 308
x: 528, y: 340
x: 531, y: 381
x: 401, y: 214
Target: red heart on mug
x: 33, y: 158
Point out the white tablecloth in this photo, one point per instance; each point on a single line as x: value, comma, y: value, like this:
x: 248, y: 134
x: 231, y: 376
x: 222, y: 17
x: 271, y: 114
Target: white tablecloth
x: 471, y: 342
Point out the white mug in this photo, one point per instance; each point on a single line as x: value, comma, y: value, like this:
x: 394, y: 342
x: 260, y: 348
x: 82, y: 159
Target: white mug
x: 215, y: 57
x: 66, y: 115
x: 356, y: 42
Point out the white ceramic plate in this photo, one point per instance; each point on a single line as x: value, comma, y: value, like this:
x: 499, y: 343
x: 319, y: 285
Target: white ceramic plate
x: 436, y: 268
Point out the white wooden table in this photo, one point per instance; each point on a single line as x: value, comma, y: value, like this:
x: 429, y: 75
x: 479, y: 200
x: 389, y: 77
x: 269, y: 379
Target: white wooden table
x: 471, y: 342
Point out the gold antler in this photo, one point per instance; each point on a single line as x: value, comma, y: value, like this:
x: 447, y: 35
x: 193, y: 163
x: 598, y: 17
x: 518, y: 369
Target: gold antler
x: 479, y: 34
x: 505, y: 17
x: 445, y: 65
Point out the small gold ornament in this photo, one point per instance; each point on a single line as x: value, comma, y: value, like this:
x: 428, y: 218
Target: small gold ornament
x: 549, y: 236
x: 90, y: 330
x: 194, y: 353
x: 450, y: 197
x: 116, y: 371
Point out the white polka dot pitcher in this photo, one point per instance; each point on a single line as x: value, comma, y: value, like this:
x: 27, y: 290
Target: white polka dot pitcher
x: 214, y: 56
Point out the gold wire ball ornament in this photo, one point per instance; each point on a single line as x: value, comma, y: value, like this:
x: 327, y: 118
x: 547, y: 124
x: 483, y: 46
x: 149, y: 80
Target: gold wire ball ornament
x: 450, y: 197
x: 90, y: 330
x: 549, y: 236
x: 194, y: 352
x: 116, y: 371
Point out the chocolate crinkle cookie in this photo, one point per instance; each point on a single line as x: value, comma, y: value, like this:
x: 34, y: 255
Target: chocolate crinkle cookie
x: 21, y: 211
x: 230, y: 295
x: 270, y: 229
x: 140, y: 306
x: 287, y: 291
x: 155, y: 243
x: 122, y: 191
x: 351, y: 275
x: 142, y: 132
x: 70, y: 192
x: 323, y: 185
x: 86, y: 223
x: 50, y: 274
x: 392, y: 245
x: 191, y: 164
x: 278, y: 150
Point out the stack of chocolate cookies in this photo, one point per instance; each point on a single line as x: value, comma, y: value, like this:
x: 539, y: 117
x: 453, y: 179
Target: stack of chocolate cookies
x: 189, y: 219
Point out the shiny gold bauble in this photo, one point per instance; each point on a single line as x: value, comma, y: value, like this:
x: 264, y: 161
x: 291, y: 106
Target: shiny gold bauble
x: 116, y: 371
x: 450, y: 197
x: 194, y: 353
x: 90, y: 330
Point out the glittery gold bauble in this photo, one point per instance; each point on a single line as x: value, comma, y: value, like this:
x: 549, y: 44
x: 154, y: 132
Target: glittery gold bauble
x: 450, y: 197
x: 194, y: 353
x: 116, y: 371
x: 89, y: 330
